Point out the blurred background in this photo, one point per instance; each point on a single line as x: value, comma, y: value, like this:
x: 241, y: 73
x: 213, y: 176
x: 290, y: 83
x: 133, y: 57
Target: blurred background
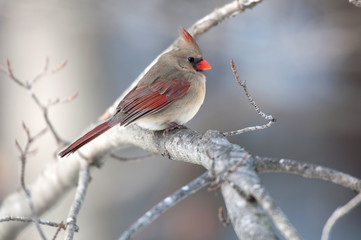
x: 302, y: 61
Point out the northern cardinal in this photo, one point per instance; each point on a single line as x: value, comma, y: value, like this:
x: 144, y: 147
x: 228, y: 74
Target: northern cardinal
x: 168, y: 95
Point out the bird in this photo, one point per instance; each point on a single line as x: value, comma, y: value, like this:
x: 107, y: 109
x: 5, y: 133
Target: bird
x: 166, y: 97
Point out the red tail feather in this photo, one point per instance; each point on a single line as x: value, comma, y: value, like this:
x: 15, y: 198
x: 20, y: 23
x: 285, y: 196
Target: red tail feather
x: 100, y: 129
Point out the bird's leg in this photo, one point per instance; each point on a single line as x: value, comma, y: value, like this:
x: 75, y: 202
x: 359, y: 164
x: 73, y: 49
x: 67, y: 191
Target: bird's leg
x: 173, y: 126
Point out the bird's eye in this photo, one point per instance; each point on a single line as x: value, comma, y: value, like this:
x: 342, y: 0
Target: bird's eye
x: 191, y: 59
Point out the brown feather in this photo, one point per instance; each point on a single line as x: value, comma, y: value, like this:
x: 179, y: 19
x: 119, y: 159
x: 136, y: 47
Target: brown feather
x: 144, y: 100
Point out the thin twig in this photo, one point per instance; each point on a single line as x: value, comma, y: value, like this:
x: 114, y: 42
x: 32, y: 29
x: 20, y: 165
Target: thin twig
x: 58, y: 139
x: 60, y: 67
x: 275, y: 213
x: 28, y: 85
x: 249, y: 129
x: 24, y: 153
x: 64, y: 100
x: 337, y: 214
x: 42, y: 73
x: 27, y: 220
x: 10, y: 73
x: 46, y: 71
x: 225, y: 221
x: 83, y: 181
x: 3, y: 70
x: 243, y: 84
x: 61, y: 226
x: 234, y: 168
x: 216, y: 187
x: 149, y: 155
x: 307, y: 170
x: 167, y: 203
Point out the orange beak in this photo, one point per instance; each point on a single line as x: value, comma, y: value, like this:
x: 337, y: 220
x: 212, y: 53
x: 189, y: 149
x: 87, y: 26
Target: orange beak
x: 203, y: 65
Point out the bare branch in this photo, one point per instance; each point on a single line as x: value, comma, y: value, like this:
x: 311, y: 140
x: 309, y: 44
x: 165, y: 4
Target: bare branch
x: 24, y: 153
x: 39, y: 134
x: 241, y: 210
x: 58, y: 139
x: 244, y: 86
x: 69, y: 98
x: 83, y: 181
x: 29, y: 87
x: 28, y: 220
x: 220, y: 14
x: 46, y: 71
x: 248, y: 129
x: 307, y: 170
x: 225, y: 221
x: 58, y: 180
x: 234, y: 168
x: 164, y: 205
x: 10, y: 73
x: 61, y: 226
x: 3, y: 70
x: 19, y: 147
x: 60, y: 67
x: 53, y: 102
x: 248, y: 186
x: 133, y: 158
x: 275, y: 213
x: 41, y: 74
x: 253, y: 103
x: 357, y: 3
x: 339, y: 213
x: 27, y: 131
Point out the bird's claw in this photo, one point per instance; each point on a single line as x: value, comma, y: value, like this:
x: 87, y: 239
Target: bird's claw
x: 173, y: 126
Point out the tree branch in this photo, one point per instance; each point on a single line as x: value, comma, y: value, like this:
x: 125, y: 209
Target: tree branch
x: 164, y: 205
x: 271, y: 120
x: 357, y: 3
x: 24, y: 153
x: 247, y: 184
x: 29, y: 220
x: 241, y: 211
x: 307, y: 170
x: 339, y: 213
x: 28, y: 85
x: 83, y: 181
x: 275, y: 213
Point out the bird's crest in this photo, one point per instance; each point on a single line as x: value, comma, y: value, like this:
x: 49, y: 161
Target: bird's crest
x: 187, y: 37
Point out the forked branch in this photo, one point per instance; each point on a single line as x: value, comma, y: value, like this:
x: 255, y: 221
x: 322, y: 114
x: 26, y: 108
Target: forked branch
x: 271, y: 120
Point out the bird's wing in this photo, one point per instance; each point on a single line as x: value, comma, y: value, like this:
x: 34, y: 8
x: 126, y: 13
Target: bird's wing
x: 147, y: 99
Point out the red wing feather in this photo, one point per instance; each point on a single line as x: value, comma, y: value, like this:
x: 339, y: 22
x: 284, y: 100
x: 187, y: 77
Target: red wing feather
x: 140, y: 102
x: 146, y: 99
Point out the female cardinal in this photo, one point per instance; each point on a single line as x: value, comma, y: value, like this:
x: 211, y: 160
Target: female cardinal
x: 168, y: 95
